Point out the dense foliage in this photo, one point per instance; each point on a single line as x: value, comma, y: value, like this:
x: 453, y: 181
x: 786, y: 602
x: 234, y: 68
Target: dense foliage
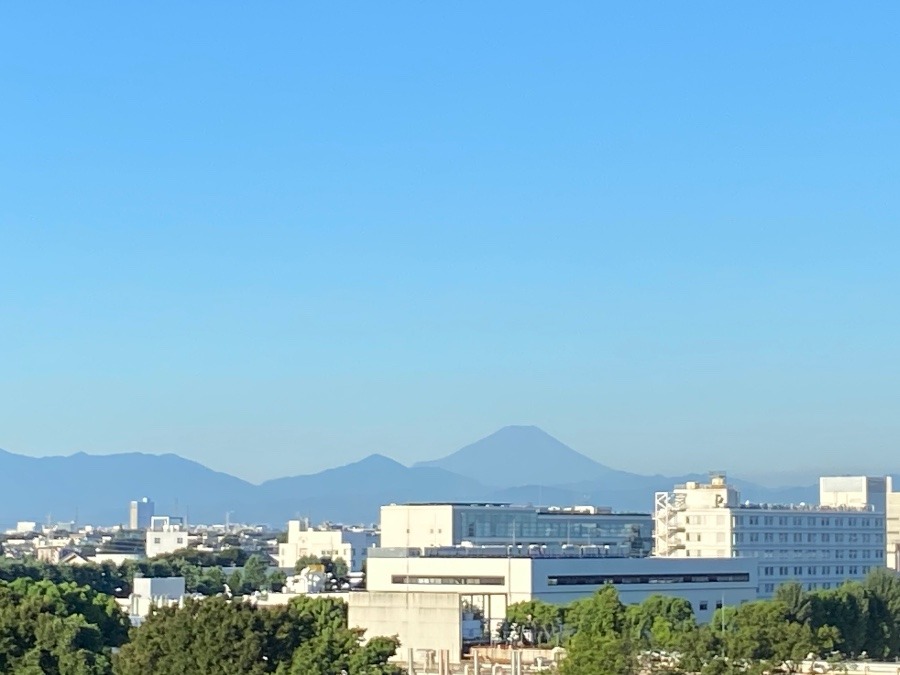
x: 306, y: 637
x: 57, y: 620
x: 202, y: 572
x: 858, y: 619
x: 51, y: 628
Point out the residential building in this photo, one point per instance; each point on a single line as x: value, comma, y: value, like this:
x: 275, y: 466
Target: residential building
x: 139, y: 514
x: 820, y: 546
x: 150, y: 592
x: 166, y: 534
x: 453, y: 524
x: 350, y: 544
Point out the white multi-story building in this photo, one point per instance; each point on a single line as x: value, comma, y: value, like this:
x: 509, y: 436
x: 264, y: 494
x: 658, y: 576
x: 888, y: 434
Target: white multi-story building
x: 453, y: 524
x: 166, y: 534
x: 522, y: 575
x: 448, y: 598
x: 350, y: 544
x: 820, y: 546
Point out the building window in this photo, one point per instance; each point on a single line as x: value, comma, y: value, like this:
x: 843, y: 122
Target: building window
x: 155, y: 540
x: 704, y: 605
x: 447, y: 581
x: 601, y: 579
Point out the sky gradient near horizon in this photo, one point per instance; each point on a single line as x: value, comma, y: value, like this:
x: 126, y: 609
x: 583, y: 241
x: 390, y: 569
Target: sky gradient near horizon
x: 276, y: 238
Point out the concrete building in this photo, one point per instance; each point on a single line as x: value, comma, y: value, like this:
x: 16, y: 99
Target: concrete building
x: 150, y: 592
x: 819, y: 546
x: 892, y: 524
x: 139, y: 514
x: 447, y: 598
x: 856, y: 492
x: 166, y: 534
x: 350, y: 544
x: 449, y: 524
x: 522, y: 575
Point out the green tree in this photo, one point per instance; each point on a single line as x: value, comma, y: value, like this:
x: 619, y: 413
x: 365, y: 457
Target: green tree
x: 545, y: 620
x: 276, y: 580
x: 236, y: 582
x: 661, y: 623
x: 254, y: 574
x: 600, y: 645
x: 58, y: 629
x: 308, y: 636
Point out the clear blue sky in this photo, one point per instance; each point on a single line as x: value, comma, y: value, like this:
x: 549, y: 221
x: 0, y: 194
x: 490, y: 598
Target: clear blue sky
x: 275, y: 237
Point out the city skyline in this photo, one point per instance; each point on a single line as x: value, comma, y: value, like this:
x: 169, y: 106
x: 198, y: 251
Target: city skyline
x: 276, y: 240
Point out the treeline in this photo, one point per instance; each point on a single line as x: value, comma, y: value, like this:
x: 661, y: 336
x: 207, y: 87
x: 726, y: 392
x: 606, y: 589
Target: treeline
x: 855, y: 620
x: 202, y: 572
x: 49, y: 628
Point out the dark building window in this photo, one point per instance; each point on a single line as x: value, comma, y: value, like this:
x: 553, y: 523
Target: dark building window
x: 600, y: 579
x: 448, y: 581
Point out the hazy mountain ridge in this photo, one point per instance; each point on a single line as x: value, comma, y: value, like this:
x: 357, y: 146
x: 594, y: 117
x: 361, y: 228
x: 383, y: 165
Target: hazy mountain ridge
x: 515, y: 464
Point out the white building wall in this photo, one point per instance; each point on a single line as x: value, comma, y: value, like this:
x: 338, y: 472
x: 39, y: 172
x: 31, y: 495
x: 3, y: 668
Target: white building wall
x: 705, y: 583
x: 165, y: 535
x: 892, y: 524
x: 351, y: 545
x: 422, y: 621
x: 859, y: 492
x: 149, y: 592
x: 818, y: 546
x: 416, y: 525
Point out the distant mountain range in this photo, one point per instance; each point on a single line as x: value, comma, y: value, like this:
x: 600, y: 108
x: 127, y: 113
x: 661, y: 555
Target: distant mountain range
x: 519, y: 464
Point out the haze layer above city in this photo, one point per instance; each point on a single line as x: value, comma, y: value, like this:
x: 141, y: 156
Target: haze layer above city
x: 277, y: 240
